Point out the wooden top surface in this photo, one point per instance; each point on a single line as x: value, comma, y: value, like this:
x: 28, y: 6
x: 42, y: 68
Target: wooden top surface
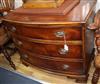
x: 47, y: 8
x: 78, y: 14
x: 43, y: 3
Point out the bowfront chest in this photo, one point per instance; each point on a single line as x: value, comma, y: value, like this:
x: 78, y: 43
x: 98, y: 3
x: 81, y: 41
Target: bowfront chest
x: 60, y: 43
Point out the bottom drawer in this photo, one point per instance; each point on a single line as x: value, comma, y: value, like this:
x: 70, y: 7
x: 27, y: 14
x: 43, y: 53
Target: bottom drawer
x: 53, y: 65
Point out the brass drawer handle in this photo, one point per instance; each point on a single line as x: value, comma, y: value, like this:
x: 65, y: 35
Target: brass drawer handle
x: 19, y: 43
x: 60, y: 34
x: 63, y: 51
x: 25, y: 55
x: 13, y: 29
x: 65, y: 66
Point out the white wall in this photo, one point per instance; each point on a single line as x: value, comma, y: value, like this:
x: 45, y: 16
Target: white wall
x: 19, y: 3
x: 98, y: 5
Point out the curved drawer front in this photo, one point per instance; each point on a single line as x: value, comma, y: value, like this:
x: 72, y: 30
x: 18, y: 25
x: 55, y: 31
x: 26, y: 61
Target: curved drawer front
x: 53, y: 65
x: 49, y: 33
x: 52, y: 50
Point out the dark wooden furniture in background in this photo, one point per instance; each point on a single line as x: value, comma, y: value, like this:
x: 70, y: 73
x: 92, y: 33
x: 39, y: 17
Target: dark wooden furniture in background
x: 57, y: 43
x: 96, y: 74
x: 5, y: 7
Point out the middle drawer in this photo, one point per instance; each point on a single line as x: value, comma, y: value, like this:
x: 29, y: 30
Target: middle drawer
x: 52, y: 50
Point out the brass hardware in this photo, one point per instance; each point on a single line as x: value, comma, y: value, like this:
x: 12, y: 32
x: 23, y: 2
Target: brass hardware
x: 63, y: 51
x: 25, y: 55
x: 13, y: 29
x: 65, y: 66
x: 20, y: 43
x: 17, y: 42
x: 60, y: 34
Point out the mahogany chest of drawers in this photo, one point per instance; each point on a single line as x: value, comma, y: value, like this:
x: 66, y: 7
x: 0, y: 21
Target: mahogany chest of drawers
x: 42, y: 39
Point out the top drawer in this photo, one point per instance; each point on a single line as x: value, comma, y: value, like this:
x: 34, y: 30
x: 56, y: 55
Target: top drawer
x: 48, y: 33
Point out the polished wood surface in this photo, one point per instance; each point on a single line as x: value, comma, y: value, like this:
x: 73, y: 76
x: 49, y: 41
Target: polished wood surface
x: 43, y: 3
x: 50, y: 34
x: 61, y: 10
x: 64, y: 67
x: 48, y: 49
x: 41, y: 39
x: 72, y: 18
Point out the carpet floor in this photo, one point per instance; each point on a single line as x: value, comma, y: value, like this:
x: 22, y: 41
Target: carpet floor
x: 9, y: 77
